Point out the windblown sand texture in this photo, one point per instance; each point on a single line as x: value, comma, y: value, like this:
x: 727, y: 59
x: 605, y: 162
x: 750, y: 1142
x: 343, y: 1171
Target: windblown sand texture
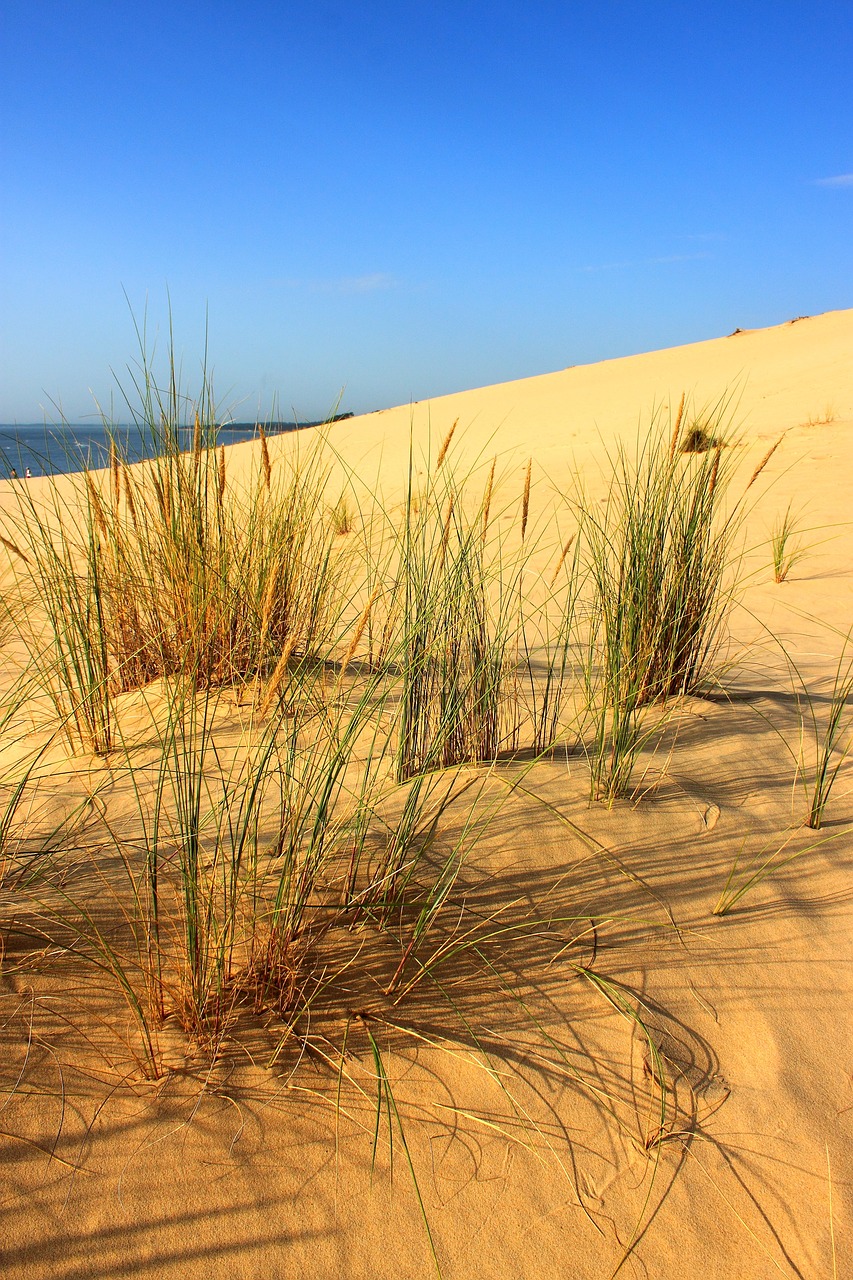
x: 549, y: 1136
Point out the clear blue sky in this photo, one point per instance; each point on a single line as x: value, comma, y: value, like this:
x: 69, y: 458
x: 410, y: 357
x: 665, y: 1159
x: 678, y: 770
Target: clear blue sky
x: 408, y: 198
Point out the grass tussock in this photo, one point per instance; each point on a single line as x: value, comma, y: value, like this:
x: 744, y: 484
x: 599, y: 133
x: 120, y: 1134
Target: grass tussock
x: 824, y: 418
x: 747, y: 874
x: 826, y: 739
x: 786, y: 548
x: 457, y: 625
x: 147, y: 571
x: 659, y: 555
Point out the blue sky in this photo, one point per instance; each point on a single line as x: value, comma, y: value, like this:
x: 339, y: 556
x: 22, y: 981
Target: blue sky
x: 405, y: 199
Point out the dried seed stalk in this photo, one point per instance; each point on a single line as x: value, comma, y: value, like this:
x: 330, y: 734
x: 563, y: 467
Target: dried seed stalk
x: 445, y: 538
x: 220, y: 491
x: 128, y: 497
x: 279, y: 675
x: 163, y: 489
x: 673, y: 444
x: 265, y: 456
x: 269, y: 599
x: 764, y: 461
x: 359, y: 630
x: 96, y: 505
x: 115, y: 475
x: 197, y: 442
x: 525, y: 502
x: 14, y: 548
x: 442, y: 453
x: 562, y: 559
x: 487, y: 500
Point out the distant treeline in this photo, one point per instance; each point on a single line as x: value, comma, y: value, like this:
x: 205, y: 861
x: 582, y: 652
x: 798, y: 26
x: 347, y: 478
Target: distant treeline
x: 283, y: 426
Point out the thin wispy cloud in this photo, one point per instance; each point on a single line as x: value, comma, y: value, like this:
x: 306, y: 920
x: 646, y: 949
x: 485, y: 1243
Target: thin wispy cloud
x: 607, y: 266
x: 679, y: 257
x: 373, y: 282
x: 839, y: 180
x: 646, y: 262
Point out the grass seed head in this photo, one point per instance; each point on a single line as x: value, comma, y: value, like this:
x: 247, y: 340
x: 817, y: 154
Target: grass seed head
x: 442, y: 453
x: 96, y: 505
x: 525, y: 502
x: 14, y: 548
x: 220, y: 487
x: 487, y: 498
x: 265, y: 456
x: 764, y: 461
x: 359, y: 630
x: 279, y: 676
x: 676, y: 431
x: 562, y: 560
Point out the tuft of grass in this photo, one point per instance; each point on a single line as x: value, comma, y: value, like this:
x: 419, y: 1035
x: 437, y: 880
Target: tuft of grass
x: 659, y: 558
x: 58, y: 604
x: 228, y: 576
x: 743, y: 878
x: 144, y: 571
x: 694, y: 432
x: 548, y: 635
x: 255, y: 834
x: 822, y: 419
x: 457, y: 630
x: 832, y: 738
x: 785, y: 547
x: 342, y: 516
x: 699, y: 439
x: 221, y: 882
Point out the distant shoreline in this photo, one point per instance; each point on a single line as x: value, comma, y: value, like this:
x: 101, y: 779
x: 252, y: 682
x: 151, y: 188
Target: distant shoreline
x: 39, y: 449
x: 51, y: 427
x: 283, y: 426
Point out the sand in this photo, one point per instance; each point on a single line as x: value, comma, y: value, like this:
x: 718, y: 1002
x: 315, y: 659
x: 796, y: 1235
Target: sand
x: 544, y: 1151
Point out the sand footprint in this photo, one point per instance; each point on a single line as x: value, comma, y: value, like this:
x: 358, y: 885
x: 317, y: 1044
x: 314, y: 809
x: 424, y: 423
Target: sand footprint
x: 710, y: 815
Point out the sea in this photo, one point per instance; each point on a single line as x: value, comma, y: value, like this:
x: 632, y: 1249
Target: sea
x: 56, y: 450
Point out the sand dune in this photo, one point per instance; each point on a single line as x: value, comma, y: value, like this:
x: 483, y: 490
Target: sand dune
x: 778, y: 379
x: 641, y: 1086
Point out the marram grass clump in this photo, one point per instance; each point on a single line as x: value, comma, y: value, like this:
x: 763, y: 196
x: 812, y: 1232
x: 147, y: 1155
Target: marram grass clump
x: 138, y: 573
x: 659, y: 554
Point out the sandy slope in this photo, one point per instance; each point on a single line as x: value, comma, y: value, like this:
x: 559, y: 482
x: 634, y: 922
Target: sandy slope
x: 777, y: 379
x: 533, y: 1169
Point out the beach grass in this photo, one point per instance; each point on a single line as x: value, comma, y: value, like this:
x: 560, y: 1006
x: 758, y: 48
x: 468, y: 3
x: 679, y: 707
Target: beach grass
x: 787, y: 550
x: 660, y: 557
x: 309, y: 710
x: 828, y: 731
